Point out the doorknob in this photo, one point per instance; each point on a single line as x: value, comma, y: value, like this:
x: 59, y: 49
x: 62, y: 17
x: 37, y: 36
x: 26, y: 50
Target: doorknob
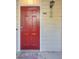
x: 16, y: 28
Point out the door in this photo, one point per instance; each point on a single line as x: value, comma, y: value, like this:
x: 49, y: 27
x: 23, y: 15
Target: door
x: 30, y: 27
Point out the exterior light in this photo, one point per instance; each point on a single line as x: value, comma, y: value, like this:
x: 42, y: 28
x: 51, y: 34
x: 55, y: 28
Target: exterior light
x: 51, y: 6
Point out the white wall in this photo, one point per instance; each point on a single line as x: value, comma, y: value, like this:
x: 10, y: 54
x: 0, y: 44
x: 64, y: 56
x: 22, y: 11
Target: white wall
x: 51, y: 26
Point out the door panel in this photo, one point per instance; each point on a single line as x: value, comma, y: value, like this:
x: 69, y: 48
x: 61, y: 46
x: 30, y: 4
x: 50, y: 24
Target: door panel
x: 30, y: 27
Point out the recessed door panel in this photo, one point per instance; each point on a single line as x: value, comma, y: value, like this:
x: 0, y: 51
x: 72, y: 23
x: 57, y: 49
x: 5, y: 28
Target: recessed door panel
x: 30, y: 27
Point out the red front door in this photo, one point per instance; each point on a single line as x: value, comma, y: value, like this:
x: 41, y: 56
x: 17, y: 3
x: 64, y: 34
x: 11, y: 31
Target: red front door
x: 30, y: 27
